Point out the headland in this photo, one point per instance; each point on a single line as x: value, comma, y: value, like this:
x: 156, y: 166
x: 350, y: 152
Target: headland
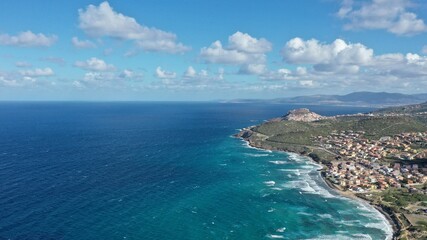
x: 378, y: 157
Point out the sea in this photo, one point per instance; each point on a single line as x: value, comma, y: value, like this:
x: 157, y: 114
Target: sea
x: 163, y: 170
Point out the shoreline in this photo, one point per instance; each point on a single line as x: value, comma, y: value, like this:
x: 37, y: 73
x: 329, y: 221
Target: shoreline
x: 394, y: 226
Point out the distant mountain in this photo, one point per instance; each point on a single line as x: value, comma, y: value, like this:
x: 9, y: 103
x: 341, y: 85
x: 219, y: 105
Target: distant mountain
x: 372, y: 99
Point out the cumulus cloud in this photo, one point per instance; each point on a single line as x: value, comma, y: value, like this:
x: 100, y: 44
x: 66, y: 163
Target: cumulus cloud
x: 390, y: 15
x: 95, y: 64
x: 285, y: 74
x: 82, y: 43
x: 38, y: 72
x: 28, y: 39
x: 342, y: 65
x: 338, y: 55
x: 129, y: 74
x: 190, y: 72
x: 12, y: 81
x: 253, y: 69
x: 162, y: 74
x: 245, y: 43
x: 241, y: 49
x: 102, y: 20
x: 112, y: 80
x: 202, y: 75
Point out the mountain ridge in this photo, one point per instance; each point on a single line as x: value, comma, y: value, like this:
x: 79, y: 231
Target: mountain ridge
x: 371, y: 99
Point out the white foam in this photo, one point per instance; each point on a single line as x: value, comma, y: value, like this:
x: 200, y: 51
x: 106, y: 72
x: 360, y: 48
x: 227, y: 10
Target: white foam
x: 325, y: 216
x: 382, y: 224
x: 304, y: 213
x: 265, y: 195
x: 342, y: 237
x: 279, y: 162
x: 281, y: 229
x: 270, y: 183
x: 308, y: 186
x: 273, y: 236
x: 247, y: 145
x: 257, y: 154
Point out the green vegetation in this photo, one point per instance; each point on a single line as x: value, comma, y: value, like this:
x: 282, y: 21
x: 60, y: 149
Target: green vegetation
x: 402, y: 198
x: 293, y: 134
x: 404, y: 206
x: 410, y: 109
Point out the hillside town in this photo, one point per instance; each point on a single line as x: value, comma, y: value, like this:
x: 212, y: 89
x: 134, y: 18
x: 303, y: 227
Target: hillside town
x: 363, y: 164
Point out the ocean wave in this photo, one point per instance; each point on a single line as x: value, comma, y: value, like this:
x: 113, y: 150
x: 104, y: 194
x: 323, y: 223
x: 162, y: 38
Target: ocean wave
x: 247, y: 145
x: 308, y: 186
x: 305, y: 213
x: 279, y: 162
x: 270, y: 183
x: 274, y: 236
x: 325, y: 216
x: 257, y: 154
x: 342, y: 237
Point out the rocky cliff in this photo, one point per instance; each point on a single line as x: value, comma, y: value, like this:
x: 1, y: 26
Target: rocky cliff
x: 302, y: 115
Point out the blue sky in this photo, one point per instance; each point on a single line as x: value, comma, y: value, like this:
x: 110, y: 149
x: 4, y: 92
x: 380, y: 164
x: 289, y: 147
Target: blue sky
x: 208, y: 50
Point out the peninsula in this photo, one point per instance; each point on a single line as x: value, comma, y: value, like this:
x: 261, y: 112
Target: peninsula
x: 380, y: 157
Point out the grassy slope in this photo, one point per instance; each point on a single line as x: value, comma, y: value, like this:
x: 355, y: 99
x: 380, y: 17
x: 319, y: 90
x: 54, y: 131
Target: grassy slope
x: 298, y: 136
x: 302, y: 132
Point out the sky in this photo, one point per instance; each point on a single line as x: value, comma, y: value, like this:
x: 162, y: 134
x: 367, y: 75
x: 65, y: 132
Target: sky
x: 198, y: 50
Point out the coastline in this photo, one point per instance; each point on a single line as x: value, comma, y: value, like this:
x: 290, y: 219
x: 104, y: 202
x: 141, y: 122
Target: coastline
x: 393, y: 225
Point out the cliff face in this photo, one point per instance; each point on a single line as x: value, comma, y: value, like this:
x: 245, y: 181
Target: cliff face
x: 302, y: 115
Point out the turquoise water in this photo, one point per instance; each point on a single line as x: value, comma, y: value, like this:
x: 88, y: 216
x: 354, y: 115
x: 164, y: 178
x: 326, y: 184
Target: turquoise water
x: 162, y: 171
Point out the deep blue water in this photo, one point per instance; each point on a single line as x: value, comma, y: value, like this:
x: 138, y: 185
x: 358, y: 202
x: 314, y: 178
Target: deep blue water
x: 162, y: 171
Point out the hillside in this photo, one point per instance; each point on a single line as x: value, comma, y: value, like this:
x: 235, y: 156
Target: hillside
x: 299, y: 135
x: 409, y: 109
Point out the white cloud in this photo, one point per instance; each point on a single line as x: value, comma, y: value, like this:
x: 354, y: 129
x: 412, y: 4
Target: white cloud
x: 253, y: 69
x: 424, y: 50
x: 203, y: 75
x: 111, y: 80
x: 102, y: 20
x: 162, y: 74
x: 390, y: 15
x: 280, y: 74
x: 95, y: 64
x: 38, y: 72
x: 215, y: 53
x: 245, y: 43
x: 241, y: 49
x: 129, y: 74
x: 344, y: 66
x: 57, y: 60
x: 190, y: 72
x: 306, y: 83
x: 78, y: 84
x: 97, y: 76
x: 28, y: 39
x: 82, y: 43
x: 338, y: 55
x: 23, y: 64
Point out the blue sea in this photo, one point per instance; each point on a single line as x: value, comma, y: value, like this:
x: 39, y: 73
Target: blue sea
x: 163, y: 171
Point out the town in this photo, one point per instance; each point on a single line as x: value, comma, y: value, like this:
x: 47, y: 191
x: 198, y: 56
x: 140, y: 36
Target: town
x: 365, y: 165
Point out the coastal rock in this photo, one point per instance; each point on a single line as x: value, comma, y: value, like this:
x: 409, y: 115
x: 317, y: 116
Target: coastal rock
x: 245, y: 133
x: 302, y: 115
